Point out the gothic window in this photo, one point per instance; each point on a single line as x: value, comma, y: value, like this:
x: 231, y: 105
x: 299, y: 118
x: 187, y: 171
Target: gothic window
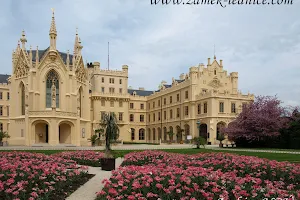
x: 80, y: 101
x: 52, y: 79
x: 22, y: 99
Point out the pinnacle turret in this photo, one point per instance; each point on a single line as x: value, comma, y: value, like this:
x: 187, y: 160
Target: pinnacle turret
x: 23, y: 39
x: 53, y: 33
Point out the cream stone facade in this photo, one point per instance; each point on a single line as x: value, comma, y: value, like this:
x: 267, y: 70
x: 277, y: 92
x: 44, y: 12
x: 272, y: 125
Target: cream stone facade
x: 53, y: 98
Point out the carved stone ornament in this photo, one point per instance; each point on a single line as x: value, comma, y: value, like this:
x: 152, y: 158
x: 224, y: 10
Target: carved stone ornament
x: 53, y: 89
x: 215, y: 83
x: 21, y: 68
x: 80, y: 72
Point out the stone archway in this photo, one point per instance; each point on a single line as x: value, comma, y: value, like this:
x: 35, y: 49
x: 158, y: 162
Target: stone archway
x: 220, y: 126
x: 186, y: 130
x: 165, y: 134
x: 149, y: 134
x: 172, y: 133
x: 41, y: 132
x: 159, y: 133
x: 203, y: 130
x: 65, y: 133
x: 178, y: 134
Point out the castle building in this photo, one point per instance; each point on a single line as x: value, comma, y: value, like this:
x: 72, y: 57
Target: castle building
x: 53, y: 98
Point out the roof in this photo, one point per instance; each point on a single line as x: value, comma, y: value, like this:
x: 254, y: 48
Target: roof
x: 179, y: 81
x: 140, y: 92
x: 3, y: 78
x: 42, y: 52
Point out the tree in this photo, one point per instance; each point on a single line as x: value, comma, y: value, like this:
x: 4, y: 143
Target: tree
x: 290, y: 136
x: 220, y: 138
x: 2, y: 136
x: 199, y: 141
x: 170, y: 133
x: 258, y: 121
x: 109, y: 124
x: 94, y: 138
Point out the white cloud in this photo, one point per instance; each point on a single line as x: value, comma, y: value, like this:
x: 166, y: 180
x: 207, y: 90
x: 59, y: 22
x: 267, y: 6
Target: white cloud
x: 262, y: 43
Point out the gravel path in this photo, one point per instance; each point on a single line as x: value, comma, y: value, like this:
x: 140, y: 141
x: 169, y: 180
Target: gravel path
x: 89, y: 189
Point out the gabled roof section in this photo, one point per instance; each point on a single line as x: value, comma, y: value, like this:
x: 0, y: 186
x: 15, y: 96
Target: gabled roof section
x: 215, y: 62
x: 3, y: 78
x: 41, y: 53
x: 140, y: 92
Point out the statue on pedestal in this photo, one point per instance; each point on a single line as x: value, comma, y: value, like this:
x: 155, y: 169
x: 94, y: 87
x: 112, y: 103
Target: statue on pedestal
x: 53, y: 89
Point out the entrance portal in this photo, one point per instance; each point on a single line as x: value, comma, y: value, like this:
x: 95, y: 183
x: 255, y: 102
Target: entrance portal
x: 41, y: 132
x: 64, y: 133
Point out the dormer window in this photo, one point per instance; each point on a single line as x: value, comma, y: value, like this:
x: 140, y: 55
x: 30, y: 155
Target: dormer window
x: 134, y: 93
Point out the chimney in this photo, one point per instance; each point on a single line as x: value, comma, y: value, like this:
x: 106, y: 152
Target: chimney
x: 221, y: 63
x: 141, y: 88
x: 208, y: 62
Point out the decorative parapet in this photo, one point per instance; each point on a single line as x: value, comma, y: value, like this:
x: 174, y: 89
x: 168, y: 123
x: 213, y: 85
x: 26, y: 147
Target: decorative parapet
x: 138, y: 98
x: 4, y: 85
x: 50, y: 113
x: 109, y: 96
x: 110, y: 72
x: 174, y: 88
x: 226, y: 94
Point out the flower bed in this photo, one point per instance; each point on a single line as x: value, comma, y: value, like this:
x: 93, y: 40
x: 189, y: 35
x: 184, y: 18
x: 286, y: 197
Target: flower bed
x: 161, y: 175
x: 90, y: 158
x: 37, y: 176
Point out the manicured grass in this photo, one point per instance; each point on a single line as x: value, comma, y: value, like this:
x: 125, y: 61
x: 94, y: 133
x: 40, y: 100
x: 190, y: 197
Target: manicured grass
x: 295, y: 158
x: 270, y: 149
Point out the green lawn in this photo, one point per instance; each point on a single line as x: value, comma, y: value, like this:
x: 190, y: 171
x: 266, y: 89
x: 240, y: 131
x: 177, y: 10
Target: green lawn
x: 270, y: 149
x: 295, y: 158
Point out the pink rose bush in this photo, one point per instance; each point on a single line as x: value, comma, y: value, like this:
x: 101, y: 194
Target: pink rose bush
x: 35, y: 176
x: 90, y: 158
x: 212, y: 176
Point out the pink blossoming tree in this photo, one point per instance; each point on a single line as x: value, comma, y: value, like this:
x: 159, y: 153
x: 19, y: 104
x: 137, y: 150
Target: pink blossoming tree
x: 258, y: 121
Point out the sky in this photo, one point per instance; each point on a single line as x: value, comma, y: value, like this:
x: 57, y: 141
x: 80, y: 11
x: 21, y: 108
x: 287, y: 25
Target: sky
x: 158, y: 42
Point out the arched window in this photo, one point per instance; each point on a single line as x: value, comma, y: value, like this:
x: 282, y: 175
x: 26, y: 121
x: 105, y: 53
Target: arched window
x: 153, y: 130
x: 22, y: 99
x: 165, y: 133
x: 132, y: 134
x: 142, y: 134
x: 171, y: 135
x: 149, y: 134
x: 80, y: 100
x: 52, y: 79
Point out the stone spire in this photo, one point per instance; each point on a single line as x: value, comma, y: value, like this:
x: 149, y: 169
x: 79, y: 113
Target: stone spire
x: 79, y: 47
x: 30, y: 56
x: 73, y: 61
x: 76, y: 43
x: 53, y: 33
x: 37, y: 59
x: 23, y: 40
x: 13, y: 57
x: 68, y: 60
